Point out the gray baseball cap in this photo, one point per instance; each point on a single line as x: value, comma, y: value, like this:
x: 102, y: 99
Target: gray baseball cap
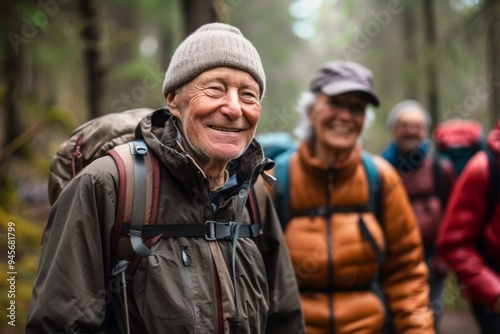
x: 338, y: 77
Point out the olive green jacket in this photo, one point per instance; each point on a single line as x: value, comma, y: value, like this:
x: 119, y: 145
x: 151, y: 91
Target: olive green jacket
x: 74, y: 293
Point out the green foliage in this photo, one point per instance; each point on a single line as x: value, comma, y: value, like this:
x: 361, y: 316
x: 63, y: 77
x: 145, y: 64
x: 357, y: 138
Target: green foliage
x: 27, y: 252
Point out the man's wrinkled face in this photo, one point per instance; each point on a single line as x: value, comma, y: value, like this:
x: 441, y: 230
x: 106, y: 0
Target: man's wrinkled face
x: 217, y: 112
x: 338, y: 120
x: 410, y: 129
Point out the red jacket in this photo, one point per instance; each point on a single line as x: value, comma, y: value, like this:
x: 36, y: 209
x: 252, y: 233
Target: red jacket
x: 464, y: 228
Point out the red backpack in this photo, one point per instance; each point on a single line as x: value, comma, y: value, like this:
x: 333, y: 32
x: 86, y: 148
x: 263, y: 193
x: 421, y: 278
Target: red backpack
x: 458, y: 140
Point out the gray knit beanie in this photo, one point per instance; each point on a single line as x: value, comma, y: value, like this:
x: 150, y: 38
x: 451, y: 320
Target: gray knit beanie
x: 213, y: 45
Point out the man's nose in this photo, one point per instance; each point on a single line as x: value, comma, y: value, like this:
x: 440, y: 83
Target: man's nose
x: 232, y: 105
x: 413, y: 128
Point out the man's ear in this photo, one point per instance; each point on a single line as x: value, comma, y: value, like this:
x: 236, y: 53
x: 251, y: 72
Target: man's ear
x: 173, y: 103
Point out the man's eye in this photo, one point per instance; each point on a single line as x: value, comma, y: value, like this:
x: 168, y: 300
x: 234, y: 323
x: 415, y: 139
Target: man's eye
x: 249, y: 96
x: 214, y: 90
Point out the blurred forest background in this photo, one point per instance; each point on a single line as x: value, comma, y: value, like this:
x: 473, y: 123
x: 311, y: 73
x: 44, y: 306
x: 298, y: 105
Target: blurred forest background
x: 64, y: 62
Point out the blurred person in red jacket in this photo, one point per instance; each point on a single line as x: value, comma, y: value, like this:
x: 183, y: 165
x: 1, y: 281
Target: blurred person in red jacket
x: 469, y: 238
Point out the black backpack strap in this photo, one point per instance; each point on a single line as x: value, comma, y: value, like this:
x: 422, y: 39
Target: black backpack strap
x: 439, y: 181
x: 211, y: 230
x: 139, y: 149
x: 493, y: 196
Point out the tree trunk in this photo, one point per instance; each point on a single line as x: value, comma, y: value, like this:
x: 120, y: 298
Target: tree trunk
x: 431, y: 59
x: 492, y: 11
x: 196, y: 13
x: 13, y: 62
x: 410, y: 50
x: 92, y: 57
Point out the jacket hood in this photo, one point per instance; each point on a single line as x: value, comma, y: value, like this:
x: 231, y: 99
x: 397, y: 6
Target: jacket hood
x: 494, y: 139
x: 161, y: 134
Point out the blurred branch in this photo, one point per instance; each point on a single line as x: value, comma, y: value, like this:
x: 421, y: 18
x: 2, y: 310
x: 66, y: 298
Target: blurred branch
x: 19, y: 142
x: 56, y: 115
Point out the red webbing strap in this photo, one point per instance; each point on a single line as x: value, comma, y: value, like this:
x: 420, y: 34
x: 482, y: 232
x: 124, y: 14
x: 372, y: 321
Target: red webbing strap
x: 77, y: 157
x: 254, y: 211
x: 123, y: 159
x: 153, y: 165
x: 253, y: 207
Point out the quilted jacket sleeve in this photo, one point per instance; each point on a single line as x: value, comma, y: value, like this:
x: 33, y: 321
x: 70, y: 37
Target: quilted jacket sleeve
x: 404, y: 273
x: 285, y: 312
x: 462, y: 229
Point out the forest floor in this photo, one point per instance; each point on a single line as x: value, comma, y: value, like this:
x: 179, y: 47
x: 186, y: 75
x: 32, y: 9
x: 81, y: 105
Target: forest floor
x: 457, y: 322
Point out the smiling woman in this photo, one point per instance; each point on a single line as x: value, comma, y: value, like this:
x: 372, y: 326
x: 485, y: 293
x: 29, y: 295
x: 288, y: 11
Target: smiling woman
x: 350, y: 230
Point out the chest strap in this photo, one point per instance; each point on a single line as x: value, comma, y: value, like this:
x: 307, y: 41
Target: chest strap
x: 211, y: 230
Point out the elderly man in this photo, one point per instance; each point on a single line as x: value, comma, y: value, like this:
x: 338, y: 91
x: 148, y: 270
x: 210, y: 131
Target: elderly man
x: 208, y: 164
x: 428, y: 181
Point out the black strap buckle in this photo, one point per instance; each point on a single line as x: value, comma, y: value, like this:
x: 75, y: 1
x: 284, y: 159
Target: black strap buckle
x: 217, y: 230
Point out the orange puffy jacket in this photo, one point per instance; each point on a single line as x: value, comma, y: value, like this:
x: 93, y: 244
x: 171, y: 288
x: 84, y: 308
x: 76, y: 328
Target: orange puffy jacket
x: 334, y: 264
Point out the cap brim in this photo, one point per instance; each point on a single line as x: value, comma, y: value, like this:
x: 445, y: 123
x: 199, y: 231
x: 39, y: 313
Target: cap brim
x: 340, y: 87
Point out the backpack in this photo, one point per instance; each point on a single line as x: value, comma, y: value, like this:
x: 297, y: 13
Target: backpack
x: 276, y: 143
x: 88, y: 142
x: 136, y: 228
x: 458, y: 140
x: 493, y: 190
x: 428, y: 189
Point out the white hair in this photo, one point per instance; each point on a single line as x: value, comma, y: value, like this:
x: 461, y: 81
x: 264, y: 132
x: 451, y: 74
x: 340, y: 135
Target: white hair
x: 404, y: 107
x: 304, y: 130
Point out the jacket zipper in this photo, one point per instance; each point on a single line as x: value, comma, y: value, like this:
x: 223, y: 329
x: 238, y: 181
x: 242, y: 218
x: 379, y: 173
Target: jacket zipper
x: 329, y: 191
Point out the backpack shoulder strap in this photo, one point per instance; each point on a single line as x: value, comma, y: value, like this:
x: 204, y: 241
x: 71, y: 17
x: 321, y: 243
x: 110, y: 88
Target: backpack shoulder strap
x: 137, y: 198
x: 441, y: 180
x: 493, y: 197
x: 282, y: 187
x: 375, y: 203
x: 374, y: 186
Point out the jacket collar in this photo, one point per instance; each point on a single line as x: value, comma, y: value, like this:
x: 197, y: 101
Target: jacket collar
x: 318, y: 168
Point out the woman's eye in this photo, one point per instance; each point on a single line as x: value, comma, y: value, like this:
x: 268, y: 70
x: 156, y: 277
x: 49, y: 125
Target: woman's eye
x: 335, y: 104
